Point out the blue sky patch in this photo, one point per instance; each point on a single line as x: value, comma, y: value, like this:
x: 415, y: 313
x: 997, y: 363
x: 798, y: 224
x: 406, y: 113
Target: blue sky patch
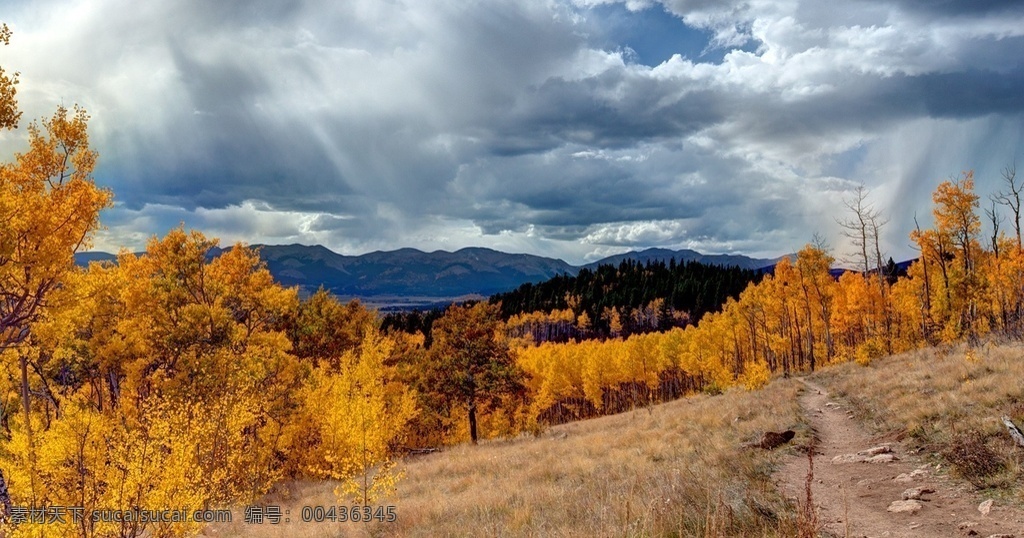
x: 653, y: 34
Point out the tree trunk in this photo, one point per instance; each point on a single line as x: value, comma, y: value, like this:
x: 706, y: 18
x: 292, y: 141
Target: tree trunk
x: 472, y: 422
x: 28, y: 424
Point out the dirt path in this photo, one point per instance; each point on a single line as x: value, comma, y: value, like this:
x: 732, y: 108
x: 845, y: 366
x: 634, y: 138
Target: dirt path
x: 854, y: 497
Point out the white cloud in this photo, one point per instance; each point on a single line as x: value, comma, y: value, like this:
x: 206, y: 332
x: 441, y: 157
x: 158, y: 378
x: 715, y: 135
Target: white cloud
x: 638, y: 233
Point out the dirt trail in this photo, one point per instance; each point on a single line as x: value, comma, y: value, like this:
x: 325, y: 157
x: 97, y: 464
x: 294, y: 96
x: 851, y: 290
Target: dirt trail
x: 854, y: 497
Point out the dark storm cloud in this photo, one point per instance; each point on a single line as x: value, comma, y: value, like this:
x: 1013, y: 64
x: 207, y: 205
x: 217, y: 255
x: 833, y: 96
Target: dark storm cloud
x: 615, y: 109
x: 971, y: 93
x: 954, y: 7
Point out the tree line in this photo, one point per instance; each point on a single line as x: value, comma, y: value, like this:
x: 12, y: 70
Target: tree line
x: 631, y: 298
x: 606, y: 302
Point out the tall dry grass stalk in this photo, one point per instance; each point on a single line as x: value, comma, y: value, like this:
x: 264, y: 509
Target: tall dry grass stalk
x: 807, y: 522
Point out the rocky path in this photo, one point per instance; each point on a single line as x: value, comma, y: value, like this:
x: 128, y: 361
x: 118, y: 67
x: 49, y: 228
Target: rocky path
x: 867, y: 486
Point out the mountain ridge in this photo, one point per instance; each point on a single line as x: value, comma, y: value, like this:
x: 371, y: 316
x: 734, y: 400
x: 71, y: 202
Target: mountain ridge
x: 410, y: 272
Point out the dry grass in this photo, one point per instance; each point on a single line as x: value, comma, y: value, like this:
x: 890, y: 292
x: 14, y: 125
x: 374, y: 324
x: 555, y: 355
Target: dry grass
x: 671, y: 470
x: 947, y: 402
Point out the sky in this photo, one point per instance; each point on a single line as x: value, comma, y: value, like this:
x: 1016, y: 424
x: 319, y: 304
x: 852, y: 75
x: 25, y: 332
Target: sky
x: 566, y: 128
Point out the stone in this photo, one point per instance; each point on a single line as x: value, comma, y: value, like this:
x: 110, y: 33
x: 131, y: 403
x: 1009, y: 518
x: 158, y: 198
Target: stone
x: 916, y: 493
x: 848, y: 458
x: 904, y: 507
x: 882, y: 458
x: 985, y: 507
x: 874, y: 451
x: 903, y: 477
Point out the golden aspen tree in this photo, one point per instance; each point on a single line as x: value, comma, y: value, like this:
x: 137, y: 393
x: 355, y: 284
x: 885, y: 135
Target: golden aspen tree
x: 816, y: 284
x: 750, y: 312
x: 598, y: 372
x: 910, y: 306
x: 1006, y: 278
x: 355, y: 414
x: 641, y: 361
x: 50, y: 206
x: 773, y: 323
x: 853, y: 313
x: 957, y: 223
x: 583, y: 324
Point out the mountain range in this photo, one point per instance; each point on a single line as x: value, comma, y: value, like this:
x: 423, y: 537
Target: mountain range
x: 412, y: 277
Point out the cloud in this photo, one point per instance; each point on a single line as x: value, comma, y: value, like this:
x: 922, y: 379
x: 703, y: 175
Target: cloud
x: 524, y: 125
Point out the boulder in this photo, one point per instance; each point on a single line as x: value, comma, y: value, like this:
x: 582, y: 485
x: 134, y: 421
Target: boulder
x: 904, y: 507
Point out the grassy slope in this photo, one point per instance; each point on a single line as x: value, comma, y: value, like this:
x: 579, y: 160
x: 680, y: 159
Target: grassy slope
x: 677, y: 469
x: 674, y: 469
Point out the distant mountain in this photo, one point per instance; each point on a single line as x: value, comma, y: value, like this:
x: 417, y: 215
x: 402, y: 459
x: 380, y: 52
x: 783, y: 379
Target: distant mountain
x: 83, y: 258
x: 409, y: 272
x: 404, y: 273
x: 686, y: 255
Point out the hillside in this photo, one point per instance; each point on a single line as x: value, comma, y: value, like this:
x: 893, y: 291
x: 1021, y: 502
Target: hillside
x: 669, y: 470
x: 677, y: 469
x: 643, y: 296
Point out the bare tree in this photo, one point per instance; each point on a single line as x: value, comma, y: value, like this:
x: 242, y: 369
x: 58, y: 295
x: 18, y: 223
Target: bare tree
x: 864, y: 229
x: 927, y: 310
x: 1011, y: 199
x: 857, y: 228
x: 993, y: 216
x: 876, y: 231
